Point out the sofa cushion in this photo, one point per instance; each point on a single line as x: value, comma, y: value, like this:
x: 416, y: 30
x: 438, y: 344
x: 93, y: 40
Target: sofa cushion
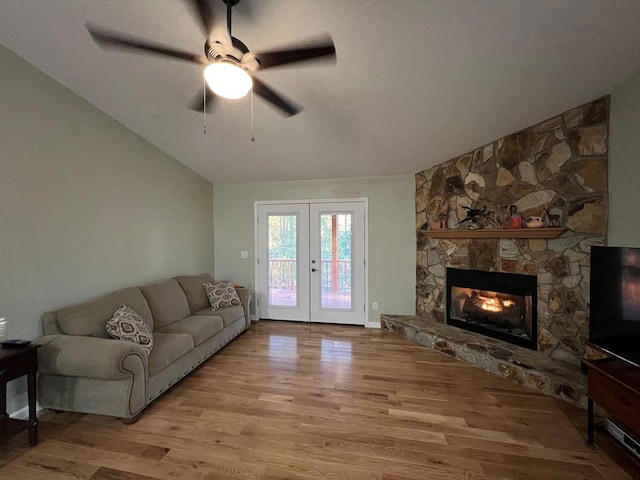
x: 229, y: 314
x: 168, y: 347
x: 167, y: 302
x: 221, y: 294
x: 200, y: 327
x: 194, y: 291
x: 90, y: 318
x: 127, y: 325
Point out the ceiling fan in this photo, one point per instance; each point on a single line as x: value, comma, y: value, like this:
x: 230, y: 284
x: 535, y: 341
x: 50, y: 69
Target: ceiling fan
x: 230, y: 66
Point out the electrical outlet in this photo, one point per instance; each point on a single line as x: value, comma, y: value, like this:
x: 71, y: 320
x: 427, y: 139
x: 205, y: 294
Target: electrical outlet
x: 244, y: 254
x: 374, y: 306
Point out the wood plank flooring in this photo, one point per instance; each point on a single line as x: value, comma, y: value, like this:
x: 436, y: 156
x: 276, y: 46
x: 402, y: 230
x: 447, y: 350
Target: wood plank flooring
x: 303, y: 401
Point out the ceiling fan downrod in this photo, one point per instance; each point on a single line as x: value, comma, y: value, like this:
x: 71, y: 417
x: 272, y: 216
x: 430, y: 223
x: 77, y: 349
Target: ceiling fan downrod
x: 230, y: 5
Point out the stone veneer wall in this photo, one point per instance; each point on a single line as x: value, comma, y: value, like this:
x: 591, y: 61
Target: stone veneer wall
x: 560, y: 163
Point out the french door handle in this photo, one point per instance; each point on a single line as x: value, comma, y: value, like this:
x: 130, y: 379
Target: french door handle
x: 313, y: 270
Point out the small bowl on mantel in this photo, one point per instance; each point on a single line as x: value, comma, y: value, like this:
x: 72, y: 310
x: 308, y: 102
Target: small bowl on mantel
x: 535, y: 222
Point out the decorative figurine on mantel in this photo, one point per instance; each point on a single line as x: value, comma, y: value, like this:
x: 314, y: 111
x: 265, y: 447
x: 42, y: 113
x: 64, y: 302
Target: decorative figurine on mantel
x: 441, y: 222
x: 553, y: 219
x: 478, y: 218
x: 514, y: 219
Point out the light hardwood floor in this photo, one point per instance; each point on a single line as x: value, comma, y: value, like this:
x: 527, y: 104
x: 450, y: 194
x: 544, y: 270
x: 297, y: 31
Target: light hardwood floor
x: 322, y: 401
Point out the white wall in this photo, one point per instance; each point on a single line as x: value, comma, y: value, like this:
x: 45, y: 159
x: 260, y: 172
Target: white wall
x: 624, y: 164
x: 392, y: 240
x: 86, y: 206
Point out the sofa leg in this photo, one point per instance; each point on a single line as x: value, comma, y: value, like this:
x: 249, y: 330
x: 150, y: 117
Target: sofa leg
x: 131, y: 420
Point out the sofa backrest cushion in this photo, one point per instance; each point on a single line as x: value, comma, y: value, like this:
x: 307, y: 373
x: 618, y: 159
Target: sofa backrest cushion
x: 194, y: 291
x: 50, y: 324
x: 167, y: 302
x: 90, y: 318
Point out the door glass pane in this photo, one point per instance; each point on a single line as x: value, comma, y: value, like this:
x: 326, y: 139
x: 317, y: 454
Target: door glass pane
x: 336, y: 253
x: 283, y: 260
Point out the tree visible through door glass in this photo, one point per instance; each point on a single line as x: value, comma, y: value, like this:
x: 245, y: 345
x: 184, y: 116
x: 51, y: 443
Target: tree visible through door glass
x: 283, y: 260
x: 336, y: 253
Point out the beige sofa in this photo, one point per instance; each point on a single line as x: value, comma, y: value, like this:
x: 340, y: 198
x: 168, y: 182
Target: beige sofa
x: 83, y: 370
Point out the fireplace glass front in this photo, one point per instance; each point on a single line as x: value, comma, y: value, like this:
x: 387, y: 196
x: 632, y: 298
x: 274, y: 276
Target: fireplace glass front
x: 499, y: 305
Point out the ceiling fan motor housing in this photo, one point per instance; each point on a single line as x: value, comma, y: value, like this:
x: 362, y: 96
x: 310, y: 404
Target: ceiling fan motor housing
x: 238, y: 54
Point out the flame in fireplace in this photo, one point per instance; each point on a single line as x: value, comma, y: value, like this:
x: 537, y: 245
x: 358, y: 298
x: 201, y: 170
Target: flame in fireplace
x: 491, y: 304
x: 495, y: 304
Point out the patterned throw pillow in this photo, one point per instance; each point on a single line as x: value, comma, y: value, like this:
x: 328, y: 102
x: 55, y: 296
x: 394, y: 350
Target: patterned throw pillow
x: 221, y: 294
x: 127, y: 325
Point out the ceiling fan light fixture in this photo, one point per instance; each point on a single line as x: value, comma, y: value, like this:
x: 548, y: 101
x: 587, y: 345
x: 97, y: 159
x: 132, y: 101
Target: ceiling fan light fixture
x: 228, y: 80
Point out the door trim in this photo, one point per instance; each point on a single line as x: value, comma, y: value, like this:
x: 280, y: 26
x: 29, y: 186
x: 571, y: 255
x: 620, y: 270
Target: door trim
x: 256, y: 244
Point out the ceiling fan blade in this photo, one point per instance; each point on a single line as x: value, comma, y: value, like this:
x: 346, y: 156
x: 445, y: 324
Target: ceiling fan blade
x: 276, y: 58
x: 287, y: 107
x: 204, y: 12
x: 197, y: 102
x: 116, y: 40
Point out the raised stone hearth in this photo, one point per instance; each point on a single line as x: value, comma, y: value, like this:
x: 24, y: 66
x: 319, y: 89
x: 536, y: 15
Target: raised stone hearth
x: 523, y: 366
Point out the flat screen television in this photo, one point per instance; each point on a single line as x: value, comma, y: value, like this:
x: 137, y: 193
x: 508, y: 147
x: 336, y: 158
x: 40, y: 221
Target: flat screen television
x: 614, y: 323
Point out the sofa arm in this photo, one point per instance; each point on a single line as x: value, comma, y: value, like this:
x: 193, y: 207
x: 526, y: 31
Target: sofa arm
x: 245, y: 298
x: 103, y: 358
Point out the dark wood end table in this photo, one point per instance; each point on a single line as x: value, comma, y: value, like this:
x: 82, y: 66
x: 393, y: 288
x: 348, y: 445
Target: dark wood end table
x: 14, y: 363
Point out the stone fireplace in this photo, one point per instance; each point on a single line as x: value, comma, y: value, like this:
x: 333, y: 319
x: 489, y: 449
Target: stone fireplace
x: 556, y: 170
x: 495, y: 304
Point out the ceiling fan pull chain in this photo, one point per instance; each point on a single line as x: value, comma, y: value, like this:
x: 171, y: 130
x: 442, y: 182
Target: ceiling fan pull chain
x: 204, y: 102
x: 253, y: 138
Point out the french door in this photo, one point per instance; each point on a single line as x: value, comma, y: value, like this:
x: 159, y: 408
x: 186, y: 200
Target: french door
x: 311, y: 262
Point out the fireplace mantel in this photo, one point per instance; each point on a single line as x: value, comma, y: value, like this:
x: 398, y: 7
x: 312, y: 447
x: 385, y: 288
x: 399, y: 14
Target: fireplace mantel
x: 496, y: 233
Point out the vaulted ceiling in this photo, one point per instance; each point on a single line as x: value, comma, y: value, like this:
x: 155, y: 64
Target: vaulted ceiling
x: 415, y: 83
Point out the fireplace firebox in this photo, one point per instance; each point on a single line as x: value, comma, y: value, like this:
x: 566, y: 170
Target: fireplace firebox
x: 495, y: 304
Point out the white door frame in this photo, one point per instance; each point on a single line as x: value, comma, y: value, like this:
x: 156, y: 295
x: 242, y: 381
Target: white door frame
x: 256, y: 244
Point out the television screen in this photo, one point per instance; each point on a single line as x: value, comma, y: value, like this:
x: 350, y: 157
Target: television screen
x: 614, y: 323
x: 631, y: 285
